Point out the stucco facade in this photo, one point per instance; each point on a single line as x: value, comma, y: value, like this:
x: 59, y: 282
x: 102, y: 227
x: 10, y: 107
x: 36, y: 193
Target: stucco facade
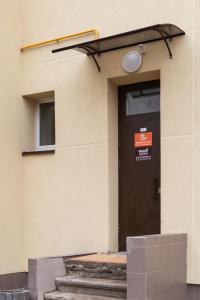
x: 11, y: 174
x: 54, y: 204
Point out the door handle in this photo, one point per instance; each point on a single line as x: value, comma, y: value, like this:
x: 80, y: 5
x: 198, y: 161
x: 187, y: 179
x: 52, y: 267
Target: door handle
x: 156, y: 189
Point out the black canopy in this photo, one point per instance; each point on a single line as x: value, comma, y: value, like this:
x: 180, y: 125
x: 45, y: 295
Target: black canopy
x: 149, y: 34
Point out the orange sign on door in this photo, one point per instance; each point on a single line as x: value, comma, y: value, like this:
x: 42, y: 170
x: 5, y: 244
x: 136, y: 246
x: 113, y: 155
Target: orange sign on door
x: 143, y: 139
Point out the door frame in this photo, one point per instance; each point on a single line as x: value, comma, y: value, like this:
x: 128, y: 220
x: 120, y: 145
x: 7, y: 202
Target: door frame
x: 113, y: 84
x: 120, y: 95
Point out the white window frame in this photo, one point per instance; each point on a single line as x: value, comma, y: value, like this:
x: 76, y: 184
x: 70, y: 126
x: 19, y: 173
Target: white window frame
x: 37, y: 126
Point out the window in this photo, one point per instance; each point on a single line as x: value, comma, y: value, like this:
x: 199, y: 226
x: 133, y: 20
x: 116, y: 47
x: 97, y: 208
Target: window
x: 45, y: 125
x: 141, y: 101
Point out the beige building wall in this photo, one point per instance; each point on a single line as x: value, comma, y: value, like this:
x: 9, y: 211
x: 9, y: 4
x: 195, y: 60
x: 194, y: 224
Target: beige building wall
x: 11, y: 168
x: 71, y: 196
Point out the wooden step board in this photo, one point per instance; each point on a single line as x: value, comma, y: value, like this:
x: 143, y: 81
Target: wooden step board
x: 103, y: 258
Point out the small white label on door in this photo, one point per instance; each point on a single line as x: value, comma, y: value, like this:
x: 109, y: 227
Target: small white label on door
x: 143, y: 129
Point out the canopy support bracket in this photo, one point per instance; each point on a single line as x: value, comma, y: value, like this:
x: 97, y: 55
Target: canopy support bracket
x: 94, y: 58
x: 96, y: 62
x: 164, y: 38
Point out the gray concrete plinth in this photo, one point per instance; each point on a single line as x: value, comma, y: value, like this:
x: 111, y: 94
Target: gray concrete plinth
x: 156, y: 267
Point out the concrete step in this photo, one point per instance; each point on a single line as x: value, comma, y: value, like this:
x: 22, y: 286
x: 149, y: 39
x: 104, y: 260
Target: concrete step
x: 56, y: 295
x: 92, y: 286
x: 98, y: 266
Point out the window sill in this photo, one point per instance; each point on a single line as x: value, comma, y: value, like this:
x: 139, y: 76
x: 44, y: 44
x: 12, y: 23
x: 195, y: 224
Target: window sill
x: 36, y: 152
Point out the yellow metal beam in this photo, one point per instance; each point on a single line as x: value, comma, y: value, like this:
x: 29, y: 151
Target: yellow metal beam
x: 56, y: 40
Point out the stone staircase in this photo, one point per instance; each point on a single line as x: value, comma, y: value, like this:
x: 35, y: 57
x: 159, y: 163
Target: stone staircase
x: 92, y: 277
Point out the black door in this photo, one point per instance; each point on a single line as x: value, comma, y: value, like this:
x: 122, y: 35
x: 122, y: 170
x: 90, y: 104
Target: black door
x: 139, y: 160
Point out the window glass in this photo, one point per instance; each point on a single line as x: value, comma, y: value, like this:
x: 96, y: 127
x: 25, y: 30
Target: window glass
x: 47, y: 124
x: 143, y: 101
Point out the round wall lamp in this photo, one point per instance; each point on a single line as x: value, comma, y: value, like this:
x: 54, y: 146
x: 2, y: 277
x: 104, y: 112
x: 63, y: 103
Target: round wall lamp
x: 132, y: 61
